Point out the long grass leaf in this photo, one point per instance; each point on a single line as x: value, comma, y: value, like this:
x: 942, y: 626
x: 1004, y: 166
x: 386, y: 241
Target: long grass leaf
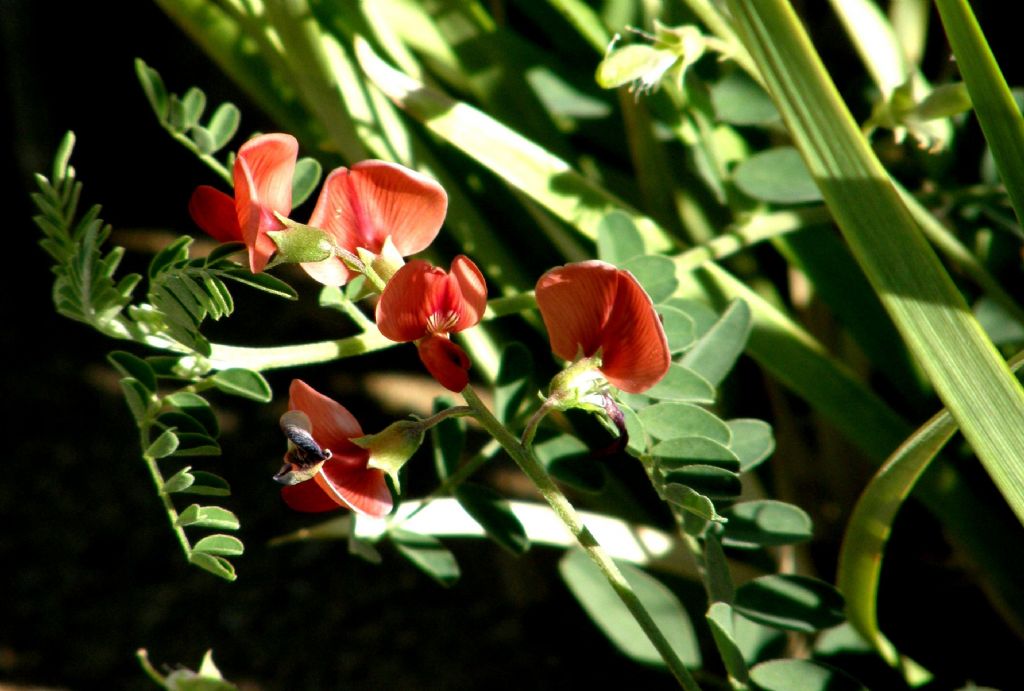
x: 965, y: 368
x: 997, y: 112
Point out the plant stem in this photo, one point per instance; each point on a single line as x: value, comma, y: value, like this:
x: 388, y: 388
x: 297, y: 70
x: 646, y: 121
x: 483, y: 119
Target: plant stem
x: 567, y: 514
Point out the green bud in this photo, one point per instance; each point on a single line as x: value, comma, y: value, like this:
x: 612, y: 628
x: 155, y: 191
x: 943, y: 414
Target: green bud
x: 392, y: 447
x: 300, y: 243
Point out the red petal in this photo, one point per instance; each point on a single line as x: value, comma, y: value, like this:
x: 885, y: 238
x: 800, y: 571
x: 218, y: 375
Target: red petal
x: 361, y: 207
x: 635, y: 354
x: 214, y: 212
x: 362, y: 489
x: 309, y: 497
x: 575, y: 301
x: 473, y: 292
x: 333, y: 425
x: 263, y: 184
x: 405, y: 304
x: 446, y: 362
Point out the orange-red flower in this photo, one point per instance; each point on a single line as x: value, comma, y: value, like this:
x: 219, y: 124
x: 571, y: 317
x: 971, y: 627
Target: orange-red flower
x: 362, y: 206
x: 592, y: 308
x: 263, y: 185
x: 425, y: 304
x: 344, y: 480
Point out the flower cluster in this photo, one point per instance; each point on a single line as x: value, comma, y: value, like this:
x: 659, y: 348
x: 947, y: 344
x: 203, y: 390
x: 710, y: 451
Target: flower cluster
x: 598, y: 317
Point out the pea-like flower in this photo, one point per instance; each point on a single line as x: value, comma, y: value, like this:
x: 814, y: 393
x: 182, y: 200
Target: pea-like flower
x: 423, y: 303
x: 263, y: 186
x: 322, y: 435
x: 366, y: 205
x: 593, y: 310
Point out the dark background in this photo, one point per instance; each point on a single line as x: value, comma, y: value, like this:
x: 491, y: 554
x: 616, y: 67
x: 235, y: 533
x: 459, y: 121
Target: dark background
x: 91, y: 571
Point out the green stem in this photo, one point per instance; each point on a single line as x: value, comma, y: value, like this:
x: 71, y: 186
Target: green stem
x: 567, y: 514
x: 148, y: 667
x: 165, y: 499
x: 224, y: 356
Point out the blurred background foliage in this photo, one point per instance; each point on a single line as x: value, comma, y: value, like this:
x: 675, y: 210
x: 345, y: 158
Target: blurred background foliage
x: 91, y: 572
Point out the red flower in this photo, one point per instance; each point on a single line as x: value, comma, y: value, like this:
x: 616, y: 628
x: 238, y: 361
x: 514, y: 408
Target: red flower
x: 593, y: 308
x: 263, y: 185
x: 423, y: 303
x: 374, y: 200
x: 344, y: 479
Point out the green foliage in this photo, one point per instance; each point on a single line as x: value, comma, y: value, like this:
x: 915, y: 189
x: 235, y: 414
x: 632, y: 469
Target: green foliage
x: 611, y: 616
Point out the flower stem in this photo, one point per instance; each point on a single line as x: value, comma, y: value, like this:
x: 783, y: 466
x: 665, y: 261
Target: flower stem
x: 567, y: 514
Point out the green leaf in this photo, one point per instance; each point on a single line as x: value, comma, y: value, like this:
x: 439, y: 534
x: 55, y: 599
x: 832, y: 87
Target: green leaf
x: 918, y: 293
x: 717, y: 350
x: 194, y: 103
x: 716, y: 570
x: 133, y: 366
x: 703, y: 316
x: 709, y: 480
x: 997, y: 112
x: 766, y: 523
x: 679, y: 452
x: 869, y: 528
x: 304, y: 181
x: 180, y: 481
x: 670, y: 420
x: 208, y: 484
x: 174, y: 253
x: 518, y: 161
x: 680, y: 329
x: 219, y: 545
x: 492, y: 512
x: 801, y: 675
x: 208, y: 517
x: 218, y: 566
x: 224, y: 124
x: 791, y: 602
x: 138, y: 397
x: 512, y: 386
x: 569, y: 461
x: 428, y: 555
x: 180, y: 422
x: 691, y: 501
x: 618, y: 240
x: 447, y: 439
x: 637, y: 443
x: 604, y: 607
x: 196, y: 444
x: 739, y: 100
x: 197, y: 407
x: 262, y: 281
x: 777, y: 176
x: 683, y: 384
x: 656, y: 274
x: 247, y: 383
x: 202, y: 138
x: 720, y: 619
x: 752, y: 442
x: 153, y: 87
x: 164, y: 445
